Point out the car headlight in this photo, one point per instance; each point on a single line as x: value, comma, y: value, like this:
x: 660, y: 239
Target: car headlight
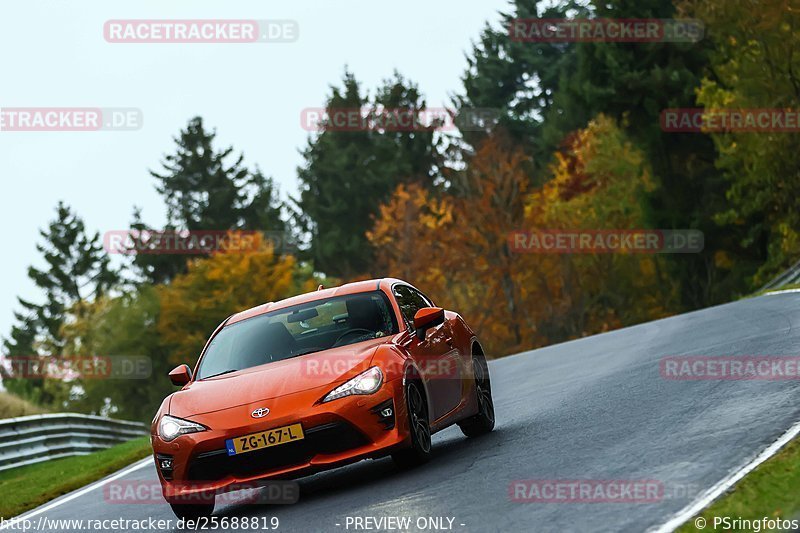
x: 366, y: 382
x: 170, y: 428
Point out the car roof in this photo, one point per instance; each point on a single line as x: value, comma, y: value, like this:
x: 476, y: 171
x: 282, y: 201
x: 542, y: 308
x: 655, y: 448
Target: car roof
x: 348, y: 288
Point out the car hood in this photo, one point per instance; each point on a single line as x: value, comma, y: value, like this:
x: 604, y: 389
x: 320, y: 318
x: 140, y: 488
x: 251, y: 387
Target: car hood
x: 265, y: 382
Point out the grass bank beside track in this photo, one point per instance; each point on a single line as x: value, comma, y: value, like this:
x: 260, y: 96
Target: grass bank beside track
x: 772, y: 490
x: 28, y: 487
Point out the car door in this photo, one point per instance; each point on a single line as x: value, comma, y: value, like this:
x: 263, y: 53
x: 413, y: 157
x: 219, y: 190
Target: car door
x: 435, y: 356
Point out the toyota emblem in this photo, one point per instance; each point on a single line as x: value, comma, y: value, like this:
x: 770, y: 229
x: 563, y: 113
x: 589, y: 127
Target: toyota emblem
x: 261, y: 412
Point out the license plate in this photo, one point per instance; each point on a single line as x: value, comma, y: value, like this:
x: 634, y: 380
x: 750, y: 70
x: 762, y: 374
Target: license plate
x: 264, y: 439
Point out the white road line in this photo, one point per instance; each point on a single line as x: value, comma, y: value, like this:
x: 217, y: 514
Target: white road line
x: 782, y: 291
x: 730, y: 480
x: 135, y: 466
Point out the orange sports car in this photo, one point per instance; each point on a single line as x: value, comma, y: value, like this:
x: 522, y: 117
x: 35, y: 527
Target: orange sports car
x: 317, y: 381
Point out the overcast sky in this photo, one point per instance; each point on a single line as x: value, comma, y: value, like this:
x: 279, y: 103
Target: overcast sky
x: 54, y: 55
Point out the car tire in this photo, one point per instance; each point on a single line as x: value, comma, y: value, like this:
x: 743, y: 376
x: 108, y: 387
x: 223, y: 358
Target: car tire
x: 192, y: 511
x: 420, y: 450
x: 483, y: 422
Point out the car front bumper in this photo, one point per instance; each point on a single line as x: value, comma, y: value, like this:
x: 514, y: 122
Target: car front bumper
x: 336, y: 433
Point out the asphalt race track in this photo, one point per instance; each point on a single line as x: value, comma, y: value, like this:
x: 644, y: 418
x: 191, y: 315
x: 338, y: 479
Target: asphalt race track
x: 591, y: 409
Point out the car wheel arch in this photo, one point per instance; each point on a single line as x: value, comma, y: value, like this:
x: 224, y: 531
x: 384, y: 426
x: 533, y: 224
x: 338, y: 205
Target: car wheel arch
x: 412, y: 373
x: 476, y: 348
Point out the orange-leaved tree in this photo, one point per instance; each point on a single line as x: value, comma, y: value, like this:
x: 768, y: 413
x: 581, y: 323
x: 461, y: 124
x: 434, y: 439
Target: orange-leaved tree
x: 599, y: 181
x: 213, y: 288
x: 453, y: 246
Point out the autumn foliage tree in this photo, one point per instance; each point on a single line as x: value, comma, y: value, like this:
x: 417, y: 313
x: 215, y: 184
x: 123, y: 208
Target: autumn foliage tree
x: 407, y: 233
x: 599, y: 183
x: 214, y: 288
x: 453, y: 246
x: 122, y: 326
x: 756, y: 64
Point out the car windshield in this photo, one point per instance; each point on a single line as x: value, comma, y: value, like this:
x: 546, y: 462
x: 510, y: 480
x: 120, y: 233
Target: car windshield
x: 298, y: 330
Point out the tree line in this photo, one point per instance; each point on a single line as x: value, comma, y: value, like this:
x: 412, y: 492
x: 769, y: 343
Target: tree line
x: 577, y: 144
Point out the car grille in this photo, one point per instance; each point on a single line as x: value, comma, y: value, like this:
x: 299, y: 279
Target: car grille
x: 328, y: 438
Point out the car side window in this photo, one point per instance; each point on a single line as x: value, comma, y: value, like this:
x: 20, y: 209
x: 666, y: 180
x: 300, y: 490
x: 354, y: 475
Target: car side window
x: 428, y: 302
x: 410, y: 301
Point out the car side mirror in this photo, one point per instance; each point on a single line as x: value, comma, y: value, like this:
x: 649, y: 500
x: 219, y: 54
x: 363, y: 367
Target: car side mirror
x: 427, y: 318
x: 180, y: 375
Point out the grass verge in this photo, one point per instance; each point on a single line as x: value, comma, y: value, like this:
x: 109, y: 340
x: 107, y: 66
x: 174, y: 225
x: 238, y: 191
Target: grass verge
x: 771, y: 490
x: 27, y: 487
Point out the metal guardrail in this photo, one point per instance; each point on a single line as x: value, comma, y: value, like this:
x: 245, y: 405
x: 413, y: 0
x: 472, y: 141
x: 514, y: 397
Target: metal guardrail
x: 788, y: 277
x: 32, y: 439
